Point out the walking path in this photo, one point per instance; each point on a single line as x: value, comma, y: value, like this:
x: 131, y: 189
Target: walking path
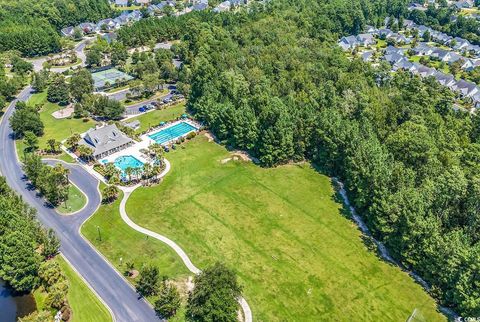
x: 247, y: 312
x: 381, y: 247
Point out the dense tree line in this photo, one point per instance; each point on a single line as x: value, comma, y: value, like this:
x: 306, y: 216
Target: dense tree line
x: 273, y: 82
x: 32, y: 26
x: 449, y: 21
x: 24, y: 243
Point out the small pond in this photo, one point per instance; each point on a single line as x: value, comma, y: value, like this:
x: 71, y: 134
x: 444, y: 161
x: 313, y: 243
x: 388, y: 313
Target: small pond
x: 12, y: 307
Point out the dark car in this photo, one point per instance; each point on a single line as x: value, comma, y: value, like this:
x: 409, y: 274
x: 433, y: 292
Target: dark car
x: 166, y: 149
x: 142, y: 109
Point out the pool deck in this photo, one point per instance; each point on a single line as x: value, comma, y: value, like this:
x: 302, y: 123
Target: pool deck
x: 145, y: 142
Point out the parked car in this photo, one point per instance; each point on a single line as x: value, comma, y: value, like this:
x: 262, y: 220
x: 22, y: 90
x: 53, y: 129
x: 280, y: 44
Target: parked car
x: 166, y: 149
x: 142, y: 109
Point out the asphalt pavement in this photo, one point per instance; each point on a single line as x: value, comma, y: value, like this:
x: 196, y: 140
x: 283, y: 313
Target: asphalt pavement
x: 124, y: 303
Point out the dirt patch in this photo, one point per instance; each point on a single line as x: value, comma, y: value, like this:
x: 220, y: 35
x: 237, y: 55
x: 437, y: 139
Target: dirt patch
x: 63, y: 113
x: 210, y: 136
x: 133, y: 273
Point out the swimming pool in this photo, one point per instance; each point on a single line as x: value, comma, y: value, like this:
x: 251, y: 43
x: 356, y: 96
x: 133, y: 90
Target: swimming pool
x: 127, y: 161
x: 172, y: 132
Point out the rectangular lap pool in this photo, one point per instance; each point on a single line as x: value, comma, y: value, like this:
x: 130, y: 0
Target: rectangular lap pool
x: 172, y: 132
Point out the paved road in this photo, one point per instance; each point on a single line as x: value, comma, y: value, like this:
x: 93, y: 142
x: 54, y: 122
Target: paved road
x: 79, y: 50
x: 109, y: 285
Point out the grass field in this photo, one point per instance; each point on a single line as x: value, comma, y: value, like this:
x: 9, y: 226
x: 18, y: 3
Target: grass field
x: 297, y: 256
x: 117, y: 240
x: 76, y: 201
x: 84, y: 303
x: 58, y: 129
x: 157, y: 116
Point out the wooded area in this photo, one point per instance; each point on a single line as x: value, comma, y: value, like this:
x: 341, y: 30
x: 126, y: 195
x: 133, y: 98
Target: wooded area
x: 272, y: 82
x: 32, y: 26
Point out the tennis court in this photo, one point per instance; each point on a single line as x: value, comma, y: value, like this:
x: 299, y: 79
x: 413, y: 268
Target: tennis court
x: 108, y: 78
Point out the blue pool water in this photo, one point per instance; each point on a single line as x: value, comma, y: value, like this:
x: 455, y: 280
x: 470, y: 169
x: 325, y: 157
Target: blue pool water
x: 173, y: 132
x: 127, y: 161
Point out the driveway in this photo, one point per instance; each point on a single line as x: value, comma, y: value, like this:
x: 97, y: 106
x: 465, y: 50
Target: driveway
x: 112, y: 288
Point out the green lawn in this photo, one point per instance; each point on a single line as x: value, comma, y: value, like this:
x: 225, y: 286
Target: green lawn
x: 76, y: 201
x: 84, y: 303
x: 115, y: 240
x: 58, y: 129
x: 157, y: 116
x: 298, y: 258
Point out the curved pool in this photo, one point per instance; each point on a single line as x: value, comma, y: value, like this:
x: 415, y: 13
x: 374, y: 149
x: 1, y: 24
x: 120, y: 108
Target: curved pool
x: 127, y: 161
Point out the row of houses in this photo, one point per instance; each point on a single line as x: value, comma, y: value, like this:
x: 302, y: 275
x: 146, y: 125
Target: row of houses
x: 108, y: 24
x: 230, y: 4
x: 124, y: 3
x: 465, y: 89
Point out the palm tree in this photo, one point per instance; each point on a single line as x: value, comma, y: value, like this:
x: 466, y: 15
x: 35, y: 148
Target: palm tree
x: 147, y: 171
x: 156, y: 170
x: 110, y: 193
x: 129, y: 172
x: 72, y: 141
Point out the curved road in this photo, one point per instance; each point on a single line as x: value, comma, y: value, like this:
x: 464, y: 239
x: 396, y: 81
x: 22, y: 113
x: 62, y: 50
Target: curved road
x: 113, y: 289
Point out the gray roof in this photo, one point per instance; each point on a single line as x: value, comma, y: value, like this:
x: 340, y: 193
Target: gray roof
x: 105, y: 139
x: 121, y: 2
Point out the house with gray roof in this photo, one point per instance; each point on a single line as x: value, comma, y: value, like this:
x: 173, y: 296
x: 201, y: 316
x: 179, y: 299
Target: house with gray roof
x: 224, y: 6
x: 476, y: 100
x: 444, y: 79
x: 200, y: 6
x: 422, y: 49
x: 423, y: 71
x: 348, y: 42
x: 106, y: 140
x: 463, y: 4
x: 416, y: 6
x: 391, y: 49
x: 121, y: 3
x: 68, y: 31
x: 459, y: 43
x: 385, y: 32
x: 367, y: 56
x: 87, y: 27
x: 465, y: 88
x: 366, y: 39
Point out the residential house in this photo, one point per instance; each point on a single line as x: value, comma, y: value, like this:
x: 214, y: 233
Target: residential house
x: 465, y: 88
x: 476, y: 100
x: 366, y: 39
x: 200, y: 6
x: 87, y: 27
x: 106, y: 140
x: 385, y: 33
x: 121, y: 3
x: 423, y: 71
x: 463, y: 4
x: 367, y: 56
x: 408, y: 24
x: 394, y: 58
x: 224, y: 6
x: 142, y: 2
x: 399, y: 38
x: 68, y: 31
x: 446, y: 80
x: 391, y: 49
x: 458, y: 43
x: 370, y: 29
x: 348, y: 42
x: 110, y: 37
x: 422, y: 49
x: 107, y: 24
x: 416, y: 6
